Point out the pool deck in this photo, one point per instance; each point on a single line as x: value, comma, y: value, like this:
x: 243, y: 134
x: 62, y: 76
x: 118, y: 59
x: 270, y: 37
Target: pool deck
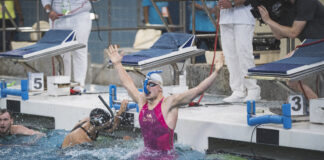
x: 195, y: 124
x: 229, y: 122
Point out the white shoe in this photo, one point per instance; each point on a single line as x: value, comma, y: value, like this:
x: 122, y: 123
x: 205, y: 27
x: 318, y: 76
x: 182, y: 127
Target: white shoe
x: 234, y: 98
x: 253, y: 95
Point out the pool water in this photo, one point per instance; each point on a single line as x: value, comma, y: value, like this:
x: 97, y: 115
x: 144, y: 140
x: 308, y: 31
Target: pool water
x: 105, y: 148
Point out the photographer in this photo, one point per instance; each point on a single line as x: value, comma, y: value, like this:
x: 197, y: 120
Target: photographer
x: 303, y: 19
x: 237, y: 29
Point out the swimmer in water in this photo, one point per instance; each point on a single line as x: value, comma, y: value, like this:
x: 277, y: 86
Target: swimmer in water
x: 87, y: 130
x: 7, y: 127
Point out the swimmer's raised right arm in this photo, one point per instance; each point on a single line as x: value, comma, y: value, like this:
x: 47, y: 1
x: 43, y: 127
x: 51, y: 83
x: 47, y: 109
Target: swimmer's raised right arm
x: 126, y: 80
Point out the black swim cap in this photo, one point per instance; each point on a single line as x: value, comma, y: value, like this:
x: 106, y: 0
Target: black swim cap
x: 99, y: 117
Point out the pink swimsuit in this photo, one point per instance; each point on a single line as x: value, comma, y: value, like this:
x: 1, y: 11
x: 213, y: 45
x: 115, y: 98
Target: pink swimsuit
x: 156, y: 133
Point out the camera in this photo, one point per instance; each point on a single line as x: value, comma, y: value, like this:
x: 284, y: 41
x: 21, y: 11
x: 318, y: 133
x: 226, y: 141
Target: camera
x: 274, y: 8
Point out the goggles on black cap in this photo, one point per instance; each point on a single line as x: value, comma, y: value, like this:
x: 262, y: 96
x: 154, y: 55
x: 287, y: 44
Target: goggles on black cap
x: 98, y: 117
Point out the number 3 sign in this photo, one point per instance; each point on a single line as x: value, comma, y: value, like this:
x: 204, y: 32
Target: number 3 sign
x: 36, y: 81
x: 297, y: 104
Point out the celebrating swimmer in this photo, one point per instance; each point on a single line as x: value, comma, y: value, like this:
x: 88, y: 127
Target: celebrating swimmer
x: 158, y: 114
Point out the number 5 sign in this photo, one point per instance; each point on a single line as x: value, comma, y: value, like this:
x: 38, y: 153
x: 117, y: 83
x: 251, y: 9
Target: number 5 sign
x: 297, y: 104
x: 36, y: 81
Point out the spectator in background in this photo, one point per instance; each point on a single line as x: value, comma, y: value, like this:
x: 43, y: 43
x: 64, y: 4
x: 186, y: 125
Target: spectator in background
x: 303, y: 19
x: 203, y: 25
x: 150, y: 14
x: 237, y: 29
x: 13, y: 7
x: 74, y: 15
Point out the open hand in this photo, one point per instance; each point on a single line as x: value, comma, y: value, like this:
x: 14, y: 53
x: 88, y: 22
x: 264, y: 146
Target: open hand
x: 264, y: 14
x: 53, y: 15
x: 103, y: 127
x: 224, y: 4
x: 123, y: 107
x: 113, y: 54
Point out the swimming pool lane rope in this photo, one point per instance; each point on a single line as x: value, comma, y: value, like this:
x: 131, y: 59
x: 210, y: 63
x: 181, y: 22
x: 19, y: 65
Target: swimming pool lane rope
x: 193, y: 104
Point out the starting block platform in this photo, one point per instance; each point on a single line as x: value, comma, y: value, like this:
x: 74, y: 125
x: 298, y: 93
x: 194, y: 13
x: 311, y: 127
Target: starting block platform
x: 196, y: 126
x: 170, y: 48
x: 308, y: 59
x: 54, y: 43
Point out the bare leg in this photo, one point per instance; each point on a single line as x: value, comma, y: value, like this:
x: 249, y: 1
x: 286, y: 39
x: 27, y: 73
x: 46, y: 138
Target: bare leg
x: 309, y: 93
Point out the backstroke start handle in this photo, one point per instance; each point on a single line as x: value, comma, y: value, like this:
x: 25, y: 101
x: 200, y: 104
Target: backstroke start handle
x: 109, y: 109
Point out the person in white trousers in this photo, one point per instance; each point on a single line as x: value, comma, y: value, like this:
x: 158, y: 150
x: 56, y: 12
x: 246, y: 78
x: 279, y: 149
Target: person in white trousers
x: 237, y: 27
x: 75, y: 15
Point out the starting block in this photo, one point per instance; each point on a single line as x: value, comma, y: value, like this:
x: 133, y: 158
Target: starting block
x: 53, y: 43
x: 23, y: 92
x: 114, y: 103
x: 169, y: 49
x: 285, y: 119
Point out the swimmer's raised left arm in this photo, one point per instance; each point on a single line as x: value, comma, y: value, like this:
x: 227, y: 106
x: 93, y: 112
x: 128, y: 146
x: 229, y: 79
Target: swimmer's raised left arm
x: 186, y: 97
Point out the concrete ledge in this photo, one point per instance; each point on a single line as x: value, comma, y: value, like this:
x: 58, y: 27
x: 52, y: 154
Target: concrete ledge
x: 196, y: 125
x: 66, y: 110
x: 195, y: 73
x: 106, y: 76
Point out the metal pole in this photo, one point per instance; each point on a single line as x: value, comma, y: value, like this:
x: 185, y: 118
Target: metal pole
x: 10, y: 18
x: 161, y: 17
x: 285, y: 87
x: 3, y: 27
x: 176, y: 74
x: 182, y: 13
x: 193, y: 15
x: 288, y: 45
x: 208, y: 13
x: 139, y: 12
x: 292, y: 44
x: 131, y: 28
x: 37, y: 18
x: 109, y: 22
